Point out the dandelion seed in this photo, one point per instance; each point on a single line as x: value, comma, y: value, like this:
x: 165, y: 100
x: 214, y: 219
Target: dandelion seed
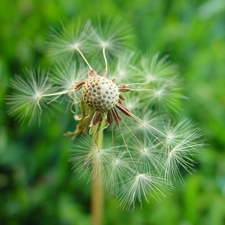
x: 71, y: 39
x: 110, y: 35
x: 182, y: 141
x: 31, y: 94
x: 139, y: 186
x: 118, y: 169
x: 125, y: 71
x: 148, y: 155
x: 67, y: 74
x: 153, y: 68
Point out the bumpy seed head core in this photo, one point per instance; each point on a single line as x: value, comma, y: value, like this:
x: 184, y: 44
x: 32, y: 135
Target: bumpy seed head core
x: 100, y: 93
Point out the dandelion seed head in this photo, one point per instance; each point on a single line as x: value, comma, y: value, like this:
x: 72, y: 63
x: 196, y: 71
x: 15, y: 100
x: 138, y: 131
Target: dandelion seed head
x: 147, y: 149
x: 100, y: 93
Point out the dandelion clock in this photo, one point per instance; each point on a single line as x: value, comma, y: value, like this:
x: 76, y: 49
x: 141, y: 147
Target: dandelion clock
x: 113, y: 89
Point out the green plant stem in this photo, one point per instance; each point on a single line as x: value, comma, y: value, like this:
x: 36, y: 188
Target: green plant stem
x: 97, y: 203
x: 97, y: 189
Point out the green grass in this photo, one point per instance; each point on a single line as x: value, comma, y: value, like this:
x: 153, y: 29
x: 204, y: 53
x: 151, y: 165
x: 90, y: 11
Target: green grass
x: 37, y: 184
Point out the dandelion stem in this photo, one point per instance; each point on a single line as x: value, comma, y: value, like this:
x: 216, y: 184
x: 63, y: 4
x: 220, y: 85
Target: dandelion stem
x: 97, y: 188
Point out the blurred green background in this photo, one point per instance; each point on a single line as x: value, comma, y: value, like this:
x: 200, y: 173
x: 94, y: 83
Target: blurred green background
x: 37, y: 184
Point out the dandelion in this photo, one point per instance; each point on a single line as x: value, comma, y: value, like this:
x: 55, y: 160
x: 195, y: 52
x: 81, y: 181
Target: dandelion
x: 133, y: 97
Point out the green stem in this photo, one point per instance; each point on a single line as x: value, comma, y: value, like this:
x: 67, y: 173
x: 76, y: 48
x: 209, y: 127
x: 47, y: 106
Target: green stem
x: 97, y: 189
